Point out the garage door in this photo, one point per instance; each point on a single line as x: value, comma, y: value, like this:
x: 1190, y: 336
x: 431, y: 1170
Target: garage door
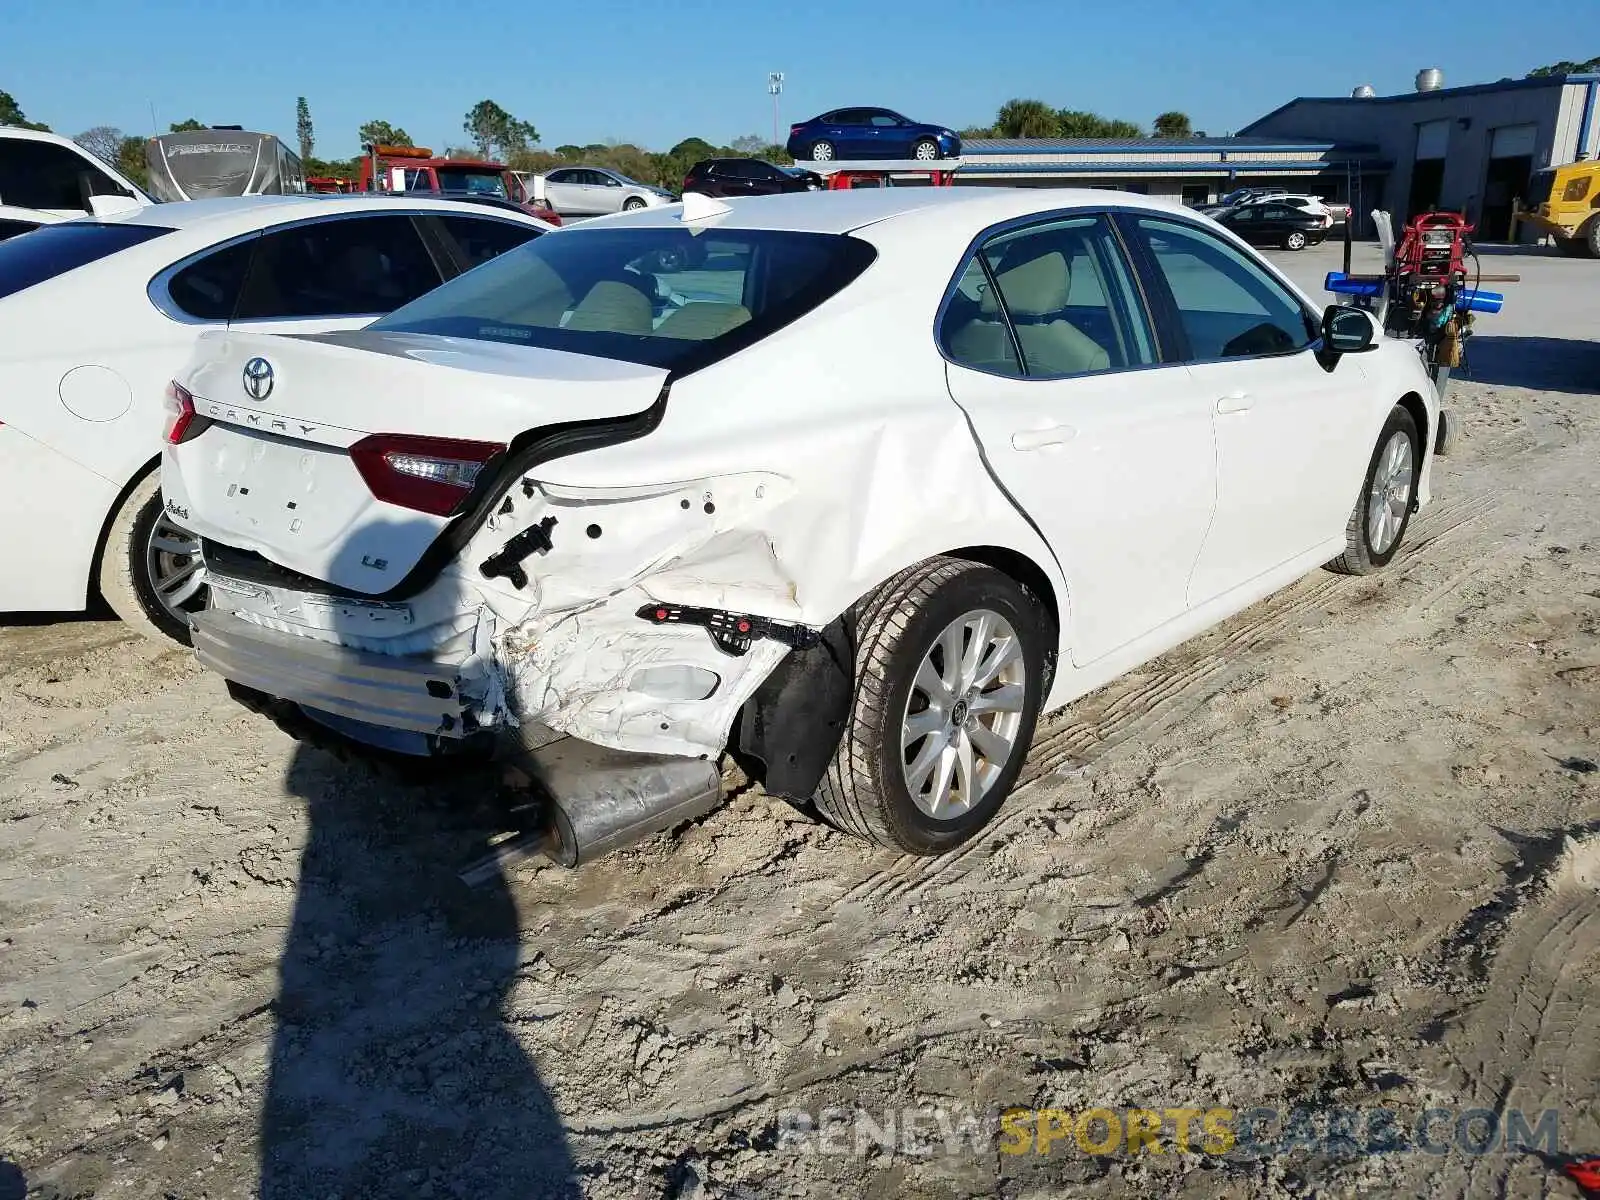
x: 1433, y: 138
x: 1512, y: 141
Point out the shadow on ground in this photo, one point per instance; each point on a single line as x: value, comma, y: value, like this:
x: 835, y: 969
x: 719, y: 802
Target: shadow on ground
x: 1552, y: 364
x: 392, y: 1072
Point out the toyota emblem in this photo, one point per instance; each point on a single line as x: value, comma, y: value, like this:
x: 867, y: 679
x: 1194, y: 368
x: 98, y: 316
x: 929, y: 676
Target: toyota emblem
x: 258, y: 379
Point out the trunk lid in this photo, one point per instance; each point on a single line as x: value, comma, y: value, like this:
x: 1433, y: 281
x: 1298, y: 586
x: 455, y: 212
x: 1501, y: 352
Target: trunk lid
x: 273, y: 473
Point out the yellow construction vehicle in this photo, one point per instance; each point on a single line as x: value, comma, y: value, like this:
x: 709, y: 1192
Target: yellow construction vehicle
x: 1565, y: 203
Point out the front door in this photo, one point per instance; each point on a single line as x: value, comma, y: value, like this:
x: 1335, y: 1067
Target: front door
x: 1107, y: 451
x: 1291, y: 445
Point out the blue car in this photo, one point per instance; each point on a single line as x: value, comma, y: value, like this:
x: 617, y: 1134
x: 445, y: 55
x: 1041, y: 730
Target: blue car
x: 870, y: 133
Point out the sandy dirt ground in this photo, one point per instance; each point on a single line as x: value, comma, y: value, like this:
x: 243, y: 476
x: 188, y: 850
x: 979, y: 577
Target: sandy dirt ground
x: 1341, y: 852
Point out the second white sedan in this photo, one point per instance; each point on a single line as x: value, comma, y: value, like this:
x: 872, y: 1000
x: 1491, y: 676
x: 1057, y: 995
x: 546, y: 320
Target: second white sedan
x: 857, y: 485
x: 97, y: 314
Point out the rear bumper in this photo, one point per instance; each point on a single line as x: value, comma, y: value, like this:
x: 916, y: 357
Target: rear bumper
x: 422, y: 695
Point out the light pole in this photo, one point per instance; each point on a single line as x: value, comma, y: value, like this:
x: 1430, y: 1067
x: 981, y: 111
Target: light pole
x: 775, y: 89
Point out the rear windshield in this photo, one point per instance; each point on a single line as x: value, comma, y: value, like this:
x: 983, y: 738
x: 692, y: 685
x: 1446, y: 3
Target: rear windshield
x: 53, y: 250
x: 661, y: 296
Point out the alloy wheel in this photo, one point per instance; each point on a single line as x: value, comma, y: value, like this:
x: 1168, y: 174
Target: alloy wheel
x: 175, y: 569
x: 963, y: 714
x: 926, y: 151
x: 1390, y: 495
x: 822, y: 152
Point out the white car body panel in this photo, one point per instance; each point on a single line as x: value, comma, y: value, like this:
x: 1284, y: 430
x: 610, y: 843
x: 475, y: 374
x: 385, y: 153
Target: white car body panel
x: 107, y: 422
x: 571, y: 198
x: 106, y: 203
x: 790, y: 478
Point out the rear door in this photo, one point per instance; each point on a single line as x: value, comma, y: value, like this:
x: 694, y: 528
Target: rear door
x: 1106, y: 448
x: 1291, y: 435
x: 562, y: 191
x: 473, y: 241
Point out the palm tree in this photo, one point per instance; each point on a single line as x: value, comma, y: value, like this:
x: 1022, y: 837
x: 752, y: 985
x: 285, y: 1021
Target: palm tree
x: 1026, y: 119
x: 1172, y: 125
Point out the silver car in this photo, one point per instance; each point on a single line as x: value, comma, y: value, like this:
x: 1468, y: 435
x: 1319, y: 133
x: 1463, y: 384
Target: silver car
x: 595, y: 191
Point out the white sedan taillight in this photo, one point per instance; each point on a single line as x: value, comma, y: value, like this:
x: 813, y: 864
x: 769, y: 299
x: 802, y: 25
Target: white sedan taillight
x: 183, y: 423
x: 426, y: 474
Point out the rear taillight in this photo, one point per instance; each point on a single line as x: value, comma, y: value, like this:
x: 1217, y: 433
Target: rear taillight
x: 431, y: 475
x: 794, y: 129
x: 183, y: 423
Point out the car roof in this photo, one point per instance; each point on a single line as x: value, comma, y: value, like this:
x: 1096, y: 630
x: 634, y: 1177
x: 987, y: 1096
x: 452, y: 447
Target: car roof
x: 226, y: 215
x: 845, y: 211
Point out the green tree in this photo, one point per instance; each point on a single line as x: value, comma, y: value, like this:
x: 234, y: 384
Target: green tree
x: 492, y: 129
x: 103, y: 141
x: 187, y: 126
x: 334, y: 168
x: 1560, y: 68
x: 381, y: 133
x: 1172, y: 125
x: 1076, y: 123
x: 131, y: 160
x: 978, y: 131
x: 303, y: 128
x: 751, y: 145
x: 1026, y: 119
x: 11, y: 114
x: 570, y: 151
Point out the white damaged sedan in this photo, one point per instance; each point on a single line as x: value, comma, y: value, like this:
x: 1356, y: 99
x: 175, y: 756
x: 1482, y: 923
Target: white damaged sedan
x: 854, y: 486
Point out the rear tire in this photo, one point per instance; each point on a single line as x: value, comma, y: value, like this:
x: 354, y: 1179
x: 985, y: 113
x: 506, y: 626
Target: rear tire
x: 1590, y: 235
x: 822, y: 152
x: 1294, y: 241
x: 901, y: 630
x: 1373, y: 535
x: 151, y: 588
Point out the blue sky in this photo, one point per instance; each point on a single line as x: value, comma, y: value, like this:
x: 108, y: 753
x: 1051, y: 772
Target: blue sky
x: 655, y: 71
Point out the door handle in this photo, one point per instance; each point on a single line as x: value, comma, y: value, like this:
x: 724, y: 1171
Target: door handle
x: 1038, y: 439
x: 1235, y: 402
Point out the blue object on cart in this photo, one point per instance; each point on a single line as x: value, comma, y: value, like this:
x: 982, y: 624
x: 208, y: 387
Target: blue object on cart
x: 1478, y: 300
x: 1348, y: 285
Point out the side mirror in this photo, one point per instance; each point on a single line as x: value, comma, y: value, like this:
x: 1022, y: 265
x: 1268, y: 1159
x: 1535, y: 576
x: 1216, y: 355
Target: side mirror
x: 1346, y: 330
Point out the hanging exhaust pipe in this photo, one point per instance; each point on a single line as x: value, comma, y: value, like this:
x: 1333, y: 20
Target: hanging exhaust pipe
x: 597, y: 800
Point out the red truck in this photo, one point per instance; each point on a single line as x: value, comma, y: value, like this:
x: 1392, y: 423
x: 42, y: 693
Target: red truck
x: 415, y: 169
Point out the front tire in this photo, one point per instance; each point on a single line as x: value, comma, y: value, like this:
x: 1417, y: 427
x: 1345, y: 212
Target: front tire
x: 1590, y: 236
x: 950, y: 670
x: 1378, y: 522
x: 632, y: 204
x: 925, y: 150
x: 822, y: 152
x: 150, y: 571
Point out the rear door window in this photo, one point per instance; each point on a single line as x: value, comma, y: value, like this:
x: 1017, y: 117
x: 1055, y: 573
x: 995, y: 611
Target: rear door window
x: 345, y: 267
x: 208, y: 288
x: 477, y: 240
x: 53, y: 250
x: 10, y: 229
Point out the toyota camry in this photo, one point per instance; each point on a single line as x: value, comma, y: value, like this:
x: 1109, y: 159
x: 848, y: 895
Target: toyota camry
x: 854, y: 487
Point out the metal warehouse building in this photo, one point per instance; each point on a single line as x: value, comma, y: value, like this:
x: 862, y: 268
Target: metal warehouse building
x: 1473, y: 149
x: 1194, y: 170
x: 1469, y: 148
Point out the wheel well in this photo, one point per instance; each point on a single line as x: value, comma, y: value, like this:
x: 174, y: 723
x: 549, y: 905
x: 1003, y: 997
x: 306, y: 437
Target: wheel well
x: 1413, y: 404
x: 1020, y: 568
x: 91, y: 589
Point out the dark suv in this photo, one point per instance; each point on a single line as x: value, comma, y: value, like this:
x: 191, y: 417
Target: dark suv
x: 747, y: 177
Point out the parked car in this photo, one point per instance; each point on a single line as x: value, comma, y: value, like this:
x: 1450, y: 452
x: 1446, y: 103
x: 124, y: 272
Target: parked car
x: 748, y: 177
x: 855, y: 488
x: 596, y: 191
x: 870, y: 133
x: 55, y: 175
x: 1269, y: 223
x: 99, y: 313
